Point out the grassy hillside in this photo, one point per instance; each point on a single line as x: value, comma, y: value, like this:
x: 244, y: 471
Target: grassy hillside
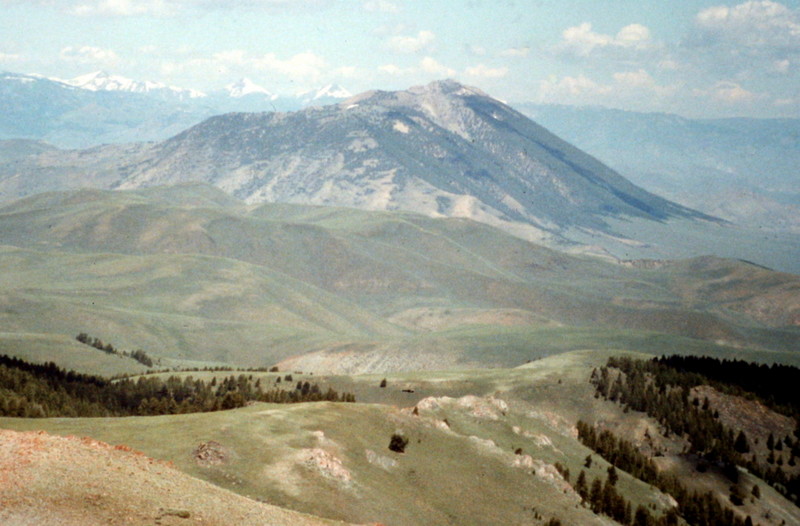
x: 482, y: 448
x: 71, y: 481
x: 188, y: 273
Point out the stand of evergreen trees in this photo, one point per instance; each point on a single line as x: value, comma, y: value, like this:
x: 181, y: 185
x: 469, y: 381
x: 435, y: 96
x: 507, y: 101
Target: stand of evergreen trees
x: 45, y: 390
x: 697, y: 509
x: 776, y: 385
x: 663, y: 392
x: 138, y: 355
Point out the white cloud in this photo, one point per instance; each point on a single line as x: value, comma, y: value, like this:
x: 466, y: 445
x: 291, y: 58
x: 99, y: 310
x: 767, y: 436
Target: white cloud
x: 302, y: 66
x: 781, y: 66
x: 123, y: 8
x: 476, y: 50
x: 347, y: 72
x: 426, y: 67
x: 756, y: 24
x: 582, y: 41
x: 641, y: 80
x: 306, y: 67
x: 483, y: 71
x: 434, y: 67
x: 727, y: 92
x: 630, y: 89
x: 515, y: 52
x: 668, y: 64
x: 754, y: 39
x: 381, y: 6
x: 165, y: 7
x: 394, y: 70
x: 412, y: 44
x: 89, y: 55
x: 556, y: 90
x: 10, y: 57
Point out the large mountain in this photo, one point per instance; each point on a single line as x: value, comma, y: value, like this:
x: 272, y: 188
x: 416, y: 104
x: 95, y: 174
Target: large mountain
x: 441, y: 149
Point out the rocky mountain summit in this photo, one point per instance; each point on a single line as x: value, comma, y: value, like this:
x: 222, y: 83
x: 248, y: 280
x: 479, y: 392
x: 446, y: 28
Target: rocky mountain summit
x: 443, y: 150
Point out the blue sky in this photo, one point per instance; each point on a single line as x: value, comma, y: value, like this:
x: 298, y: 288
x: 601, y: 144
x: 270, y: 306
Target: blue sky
x: 696, y: 58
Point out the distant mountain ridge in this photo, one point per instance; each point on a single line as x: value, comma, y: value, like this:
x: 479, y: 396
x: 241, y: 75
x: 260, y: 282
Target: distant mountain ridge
x: 743, y: 170
x: 99, y: 107
x: 102, y: 81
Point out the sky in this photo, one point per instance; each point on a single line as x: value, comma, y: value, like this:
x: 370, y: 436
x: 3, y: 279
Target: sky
x: 690, y: 57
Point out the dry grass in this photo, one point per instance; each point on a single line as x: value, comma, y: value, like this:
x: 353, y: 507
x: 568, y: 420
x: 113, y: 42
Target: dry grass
x: 66, y: 481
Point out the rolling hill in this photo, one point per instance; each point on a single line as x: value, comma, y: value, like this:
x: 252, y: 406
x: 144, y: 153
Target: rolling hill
x: 483, y: 447
x: 189, y: 273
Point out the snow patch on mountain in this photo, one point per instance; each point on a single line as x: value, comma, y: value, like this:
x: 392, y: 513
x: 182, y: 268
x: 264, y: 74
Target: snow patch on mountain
x: 244, y: 87
x: 324, y: 95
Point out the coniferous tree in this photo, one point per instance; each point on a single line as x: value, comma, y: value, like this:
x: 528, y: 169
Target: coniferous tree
x: 581, y: 487
x: 741, y: 444
x: 612, y: 475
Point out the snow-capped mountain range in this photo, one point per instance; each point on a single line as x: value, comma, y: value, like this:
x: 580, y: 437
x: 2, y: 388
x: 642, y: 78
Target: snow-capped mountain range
x: 102, y: 81
x: 244, y: 87
x: 100, y: 107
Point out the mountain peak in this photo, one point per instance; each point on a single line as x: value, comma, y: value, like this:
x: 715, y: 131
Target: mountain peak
x: 446, y: 87
x: 244, y: 86
x: 324, y: 95
x: 334, y: 91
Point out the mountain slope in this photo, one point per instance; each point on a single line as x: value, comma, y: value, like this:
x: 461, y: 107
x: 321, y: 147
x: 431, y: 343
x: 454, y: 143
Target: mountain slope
x: 743, y: 170
x: 72, y: 481
x: 484, y: 447
x: 189, y: 273
x: 440, y: 149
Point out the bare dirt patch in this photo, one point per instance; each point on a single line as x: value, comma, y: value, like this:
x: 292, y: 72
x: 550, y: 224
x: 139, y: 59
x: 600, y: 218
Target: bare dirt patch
x: 70, y: 481
x: 211, y: 453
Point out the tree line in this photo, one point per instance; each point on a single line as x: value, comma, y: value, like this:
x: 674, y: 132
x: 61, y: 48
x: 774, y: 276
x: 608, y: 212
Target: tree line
x: 664, y: 393
x: 695, y: 508
x: 46, y: 390
x: 774, y: 385
x: 138, y: 355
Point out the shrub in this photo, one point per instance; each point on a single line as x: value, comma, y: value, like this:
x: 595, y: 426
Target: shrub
x: 398, y: 443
